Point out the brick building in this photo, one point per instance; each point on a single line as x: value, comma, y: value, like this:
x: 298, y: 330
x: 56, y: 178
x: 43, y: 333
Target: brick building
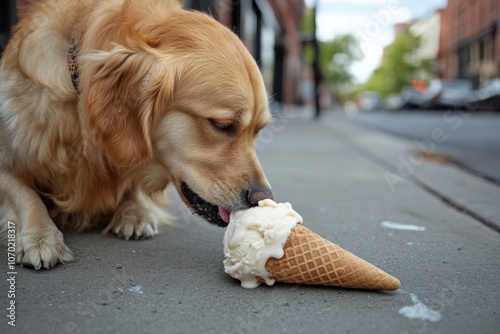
x: 469, y: 46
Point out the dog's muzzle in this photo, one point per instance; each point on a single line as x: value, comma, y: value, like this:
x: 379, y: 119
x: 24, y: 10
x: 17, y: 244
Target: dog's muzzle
x: 216, y: 214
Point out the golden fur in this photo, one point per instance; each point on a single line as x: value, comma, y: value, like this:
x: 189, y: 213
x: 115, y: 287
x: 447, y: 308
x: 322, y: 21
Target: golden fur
x: 158, y: 86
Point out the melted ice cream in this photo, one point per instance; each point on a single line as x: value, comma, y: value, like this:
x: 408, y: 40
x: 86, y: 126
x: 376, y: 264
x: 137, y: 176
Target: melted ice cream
x: 255, y: 235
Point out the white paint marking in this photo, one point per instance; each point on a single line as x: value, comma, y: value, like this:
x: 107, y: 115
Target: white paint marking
x: 398, y: 226
x: 136, y: 289
x: 419, y: 311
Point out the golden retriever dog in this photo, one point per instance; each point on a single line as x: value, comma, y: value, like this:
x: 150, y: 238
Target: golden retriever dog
x: 105, y: 103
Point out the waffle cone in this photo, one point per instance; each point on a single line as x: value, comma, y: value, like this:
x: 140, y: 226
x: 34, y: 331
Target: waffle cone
x: 311, y: 259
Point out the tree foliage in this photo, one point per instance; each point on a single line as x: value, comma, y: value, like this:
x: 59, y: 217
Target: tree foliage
x: 335, y: 56
x: 397, y: 67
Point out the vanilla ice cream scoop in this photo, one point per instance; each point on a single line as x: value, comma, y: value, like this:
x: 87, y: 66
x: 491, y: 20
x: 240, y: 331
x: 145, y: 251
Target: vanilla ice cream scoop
x: 255, y: 235
x: 268, y: 243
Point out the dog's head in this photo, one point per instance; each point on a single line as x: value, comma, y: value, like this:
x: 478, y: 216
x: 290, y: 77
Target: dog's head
x: 185, y: 93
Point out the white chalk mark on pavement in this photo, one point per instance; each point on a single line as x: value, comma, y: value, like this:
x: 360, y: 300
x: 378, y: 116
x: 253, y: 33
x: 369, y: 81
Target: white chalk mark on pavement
x: 398, y: 226
x: 419, y: 311
x: 136, y: 289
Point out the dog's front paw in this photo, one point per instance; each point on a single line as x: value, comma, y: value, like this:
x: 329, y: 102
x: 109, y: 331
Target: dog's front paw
x: 133, y: 221
x: 42, y: 246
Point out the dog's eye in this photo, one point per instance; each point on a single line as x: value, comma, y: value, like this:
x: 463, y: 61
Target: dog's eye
x: 229, y: 128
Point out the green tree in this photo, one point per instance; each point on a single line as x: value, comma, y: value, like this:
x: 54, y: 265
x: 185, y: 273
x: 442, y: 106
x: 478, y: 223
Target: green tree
x: 335, y: 56
x: 397, y: 67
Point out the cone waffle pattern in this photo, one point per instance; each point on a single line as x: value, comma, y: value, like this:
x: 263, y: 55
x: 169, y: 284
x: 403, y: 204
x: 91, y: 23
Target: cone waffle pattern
x: 311, y: 259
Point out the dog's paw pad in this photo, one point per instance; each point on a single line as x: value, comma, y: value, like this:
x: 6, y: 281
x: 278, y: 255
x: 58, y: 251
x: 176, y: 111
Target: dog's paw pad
x: 133, y: 222
x: 42, y: 248
x: 37, y: 248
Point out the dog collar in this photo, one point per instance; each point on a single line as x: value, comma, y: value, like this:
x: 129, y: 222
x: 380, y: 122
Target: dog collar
x: 72, y: 61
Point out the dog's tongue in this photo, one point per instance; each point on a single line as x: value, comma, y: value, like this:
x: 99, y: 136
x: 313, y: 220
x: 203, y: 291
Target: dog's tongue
x: 224, y: 214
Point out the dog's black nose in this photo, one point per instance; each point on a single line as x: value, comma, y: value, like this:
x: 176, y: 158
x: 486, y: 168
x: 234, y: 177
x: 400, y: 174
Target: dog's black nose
x: 258, y: 193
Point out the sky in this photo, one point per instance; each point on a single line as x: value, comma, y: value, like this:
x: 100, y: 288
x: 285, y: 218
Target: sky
x: 371, y: 21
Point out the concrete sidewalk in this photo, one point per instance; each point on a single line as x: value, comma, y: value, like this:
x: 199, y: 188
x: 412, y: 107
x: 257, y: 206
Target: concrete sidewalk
x: 427, y: 226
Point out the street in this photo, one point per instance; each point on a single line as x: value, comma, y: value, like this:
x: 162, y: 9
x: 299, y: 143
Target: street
x: 345, y: 181
x: 472, y: 139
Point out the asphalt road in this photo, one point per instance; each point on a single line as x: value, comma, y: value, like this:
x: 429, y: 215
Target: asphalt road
x: 471, y: 139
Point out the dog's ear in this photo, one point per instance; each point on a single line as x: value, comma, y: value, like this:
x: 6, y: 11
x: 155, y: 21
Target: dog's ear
x: 119, y: 103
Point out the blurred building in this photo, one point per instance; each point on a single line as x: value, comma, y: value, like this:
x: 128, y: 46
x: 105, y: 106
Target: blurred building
x: 428, y: 30
x: 470, y: 40
x: 400, y: 28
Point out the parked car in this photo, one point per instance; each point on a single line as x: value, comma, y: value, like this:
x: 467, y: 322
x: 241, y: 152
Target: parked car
x: 394, y: 102
x: 446, y: 94
x: 411, y: 98
x: 369, y: 101
x: 486, y: 98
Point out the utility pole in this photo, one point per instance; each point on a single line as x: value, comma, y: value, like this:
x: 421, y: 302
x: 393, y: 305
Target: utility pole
x: 312, y: 39
x: 316, y: 66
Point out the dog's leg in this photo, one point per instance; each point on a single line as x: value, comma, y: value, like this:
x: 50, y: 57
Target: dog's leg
x: 38, y: 241
x: 138, y: 218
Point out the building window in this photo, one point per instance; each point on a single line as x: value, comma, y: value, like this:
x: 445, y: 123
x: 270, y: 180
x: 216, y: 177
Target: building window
x: 267, y: 55
x: 481, y: 50
x: 488, y: 48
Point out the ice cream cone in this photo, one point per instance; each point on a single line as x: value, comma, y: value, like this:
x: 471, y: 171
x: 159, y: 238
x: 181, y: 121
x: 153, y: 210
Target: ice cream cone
x: 311, y: 259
